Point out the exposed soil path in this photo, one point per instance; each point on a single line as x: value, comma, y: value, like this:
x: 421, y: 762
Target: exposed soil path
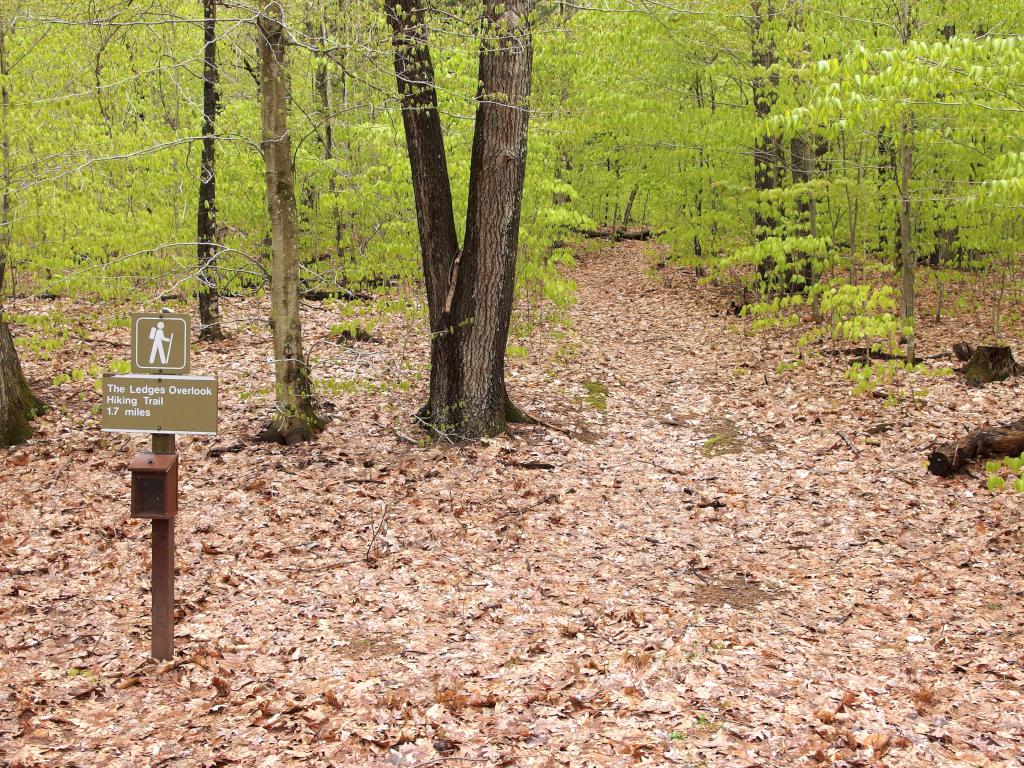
x: 721, y: 565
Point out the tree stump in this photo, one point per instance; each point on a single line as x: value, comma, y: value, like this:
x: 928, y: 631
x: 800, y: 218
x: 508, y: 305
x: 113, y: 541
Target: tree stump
x: 988, y: 364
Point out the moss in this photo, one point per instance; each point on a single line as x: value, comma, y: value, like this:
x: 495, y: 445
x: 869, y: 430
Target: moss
x: 597, y: 395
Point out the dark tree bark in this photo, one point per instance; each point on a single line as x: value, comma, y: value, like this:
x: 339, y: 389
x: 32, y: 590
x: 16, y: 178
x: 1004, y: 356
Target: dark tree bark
x: 206, y: 215
x: 295, y: 419
x: 469, y: 291
x: 435, y: 216
x: 980, y: 444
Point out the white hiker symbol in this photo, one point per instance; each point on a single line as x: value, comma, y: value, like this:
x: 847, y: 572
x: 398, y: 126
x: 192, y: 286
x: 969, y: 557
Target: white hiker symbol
x: 161, y: 344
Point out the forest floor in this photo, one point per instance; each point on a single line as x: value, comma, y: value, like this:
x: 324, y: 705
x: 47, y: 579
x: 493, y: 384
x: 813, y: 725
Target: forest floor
x: 722, y: 564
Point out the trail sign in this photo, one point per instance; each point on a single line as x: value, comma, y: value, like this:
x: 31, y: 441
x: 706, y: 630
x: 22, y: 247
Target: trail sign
x: 169, y: 405
x: 160, y: 398
x: 161, y: 343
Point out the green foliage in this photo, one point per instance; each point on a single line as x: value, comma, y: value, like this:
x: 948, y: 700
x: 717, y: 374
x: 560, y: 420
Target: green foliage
x: 654, y: 109
x: 1003, y: 473
x: 856, y: 83
x: 104, y: 161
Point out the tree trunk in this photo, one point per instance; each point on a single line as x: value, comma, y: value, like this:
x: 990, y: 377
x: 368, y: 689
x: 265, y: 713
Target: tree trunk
x: 469, y: 292
x: 468, y: 389
x: 435, y: 216
x: 322, y: 83
x: 907, y: 261
x: 17, y: 403
x: 764, y: 93
x: 627, y: 216
x: 980, y: 444
x: 802, y: 153
x: 206, y: 213
x: 294, y: 420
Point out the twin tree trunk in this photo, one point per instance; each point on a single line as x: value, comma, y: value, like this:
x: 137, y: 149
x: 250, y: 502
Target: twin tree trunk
x: 17, y: 403
x: 469, y: 290
x: 206, y: 217
x: 294, y: 420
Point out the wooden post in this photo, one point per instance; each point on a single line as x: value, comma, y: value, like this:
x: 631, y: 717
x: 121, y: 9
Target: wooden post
x: 162, y: 588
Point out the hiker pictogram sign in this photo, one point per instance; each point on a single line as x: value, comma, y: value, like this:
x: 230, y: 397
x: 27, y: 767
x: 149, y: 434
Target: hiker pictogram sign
x: 161, y: 343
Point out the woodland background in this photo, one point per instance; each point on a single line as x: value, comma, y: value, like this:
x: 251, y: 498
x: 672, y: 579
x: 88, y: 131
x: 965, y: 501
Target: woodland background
x: 776, y: 141
x: 751, y: 234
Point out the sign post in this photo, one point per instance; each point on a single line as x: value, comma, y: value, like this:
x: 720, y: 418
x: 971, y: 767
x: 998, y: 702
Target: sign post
x: 162, y: 579
x: 159, y: 397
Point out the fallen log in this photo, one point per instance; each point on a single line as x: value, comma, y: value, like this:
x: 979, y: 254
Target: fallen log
x: 989, y: 442
x: 618, y: 233
x: 864, y: 354
x: 343, y: 294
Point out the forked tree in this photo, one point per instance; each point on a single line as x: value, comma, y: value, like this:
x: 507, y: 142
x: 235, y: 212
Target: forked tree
x: 469, y: 288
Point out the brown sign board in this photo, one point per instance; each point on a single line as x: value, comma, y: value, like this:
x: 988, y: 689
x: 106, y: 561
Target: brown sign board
x: 161, y: 343
x: 173, y: 405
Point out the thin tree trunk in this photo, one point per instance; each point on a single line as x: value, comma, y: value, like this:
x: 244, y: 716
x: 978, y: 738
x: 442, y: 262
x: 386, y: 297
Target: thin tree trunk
x: 628, y: 215
x: 469, y: 292
x: 906, y: 169
x: 17, y: 403
x: 764, y: 94
x: 802, y: 153
x: 906, y: 250
x: 946, y: 236
x: 322, y: 81
x: 206, y: 215
x: 294, y: 420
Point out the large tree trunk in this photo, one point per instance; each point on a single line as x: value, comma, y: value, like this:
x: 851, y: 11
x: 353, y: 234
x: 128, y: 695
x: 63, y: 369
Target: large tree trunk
x: 469, y: 292
x: 17, y: 403
x: 294, y: 420
x: 206, y: 215
x: 470, y: 385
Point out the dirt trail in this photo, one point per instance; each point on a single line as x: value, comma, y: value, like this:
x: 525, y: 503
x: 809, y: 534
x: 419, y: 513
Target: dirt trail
x: 705, y: 573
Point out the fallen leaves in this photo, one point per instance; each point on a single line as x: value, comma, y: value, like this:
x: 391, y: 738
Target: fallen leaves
x: 535, y: 600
